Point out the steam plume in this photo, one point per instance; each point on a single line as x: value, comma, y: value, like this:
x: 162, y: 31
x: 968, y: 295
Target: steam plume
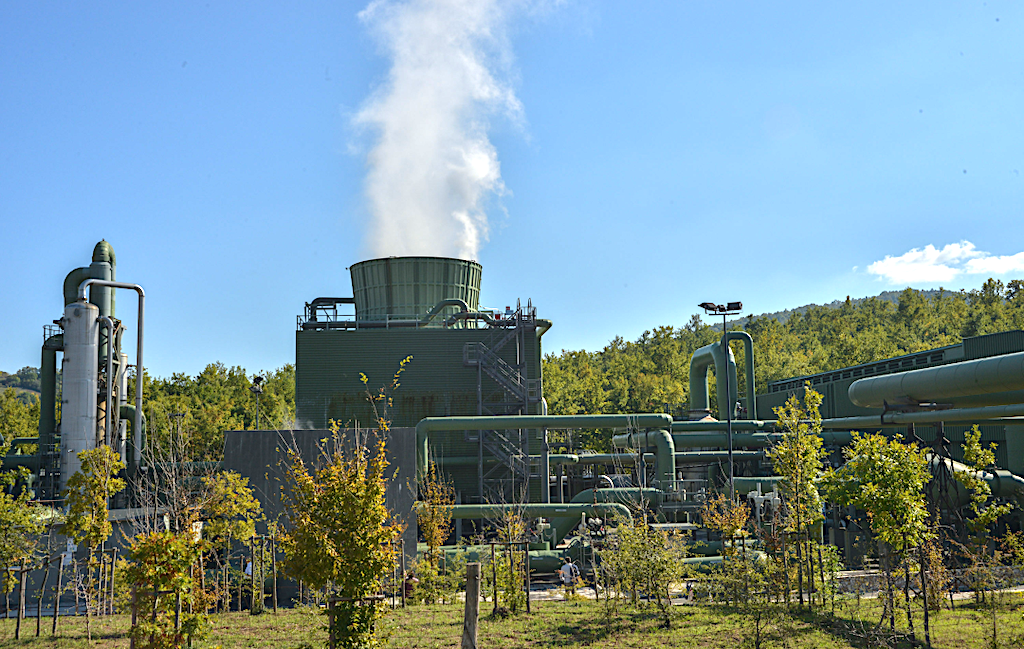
x: 432, y: 169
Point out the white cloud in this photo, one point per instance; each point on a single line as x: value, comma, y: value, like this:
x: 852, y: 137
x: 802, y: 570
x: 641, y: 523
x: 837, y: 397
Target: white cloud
x: 931, y: 265
x: 997, y: 265
x: 928, y: 264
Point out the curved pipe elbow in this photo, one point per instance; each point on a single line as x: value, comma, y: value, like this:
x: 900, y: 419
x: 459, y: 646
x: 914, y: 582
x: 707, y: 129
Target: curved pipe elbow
x: 442, y: 305
x: 701, y: 361
x: 748, y: 367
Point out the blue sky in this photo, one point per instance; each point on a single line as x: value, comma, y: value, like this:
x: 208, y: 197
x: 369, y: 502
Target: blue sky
x: 652, y: 156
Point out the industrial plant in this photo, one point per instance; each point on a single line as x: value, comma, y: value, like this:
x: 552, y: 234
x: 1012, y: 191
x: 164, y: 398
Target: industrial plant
x: 470, y: 400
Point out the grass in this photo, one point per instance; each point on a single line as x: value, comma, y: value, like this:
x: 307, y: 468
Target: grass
x: 574, y: 624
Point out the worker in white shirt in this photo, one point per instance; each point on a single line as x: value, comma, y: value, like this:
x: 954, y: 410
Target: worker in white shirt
x: 568, y: 573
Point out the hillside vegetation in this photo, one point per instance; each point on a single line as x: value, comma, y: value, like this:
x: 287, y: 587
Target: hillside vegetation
x: 653, y: 371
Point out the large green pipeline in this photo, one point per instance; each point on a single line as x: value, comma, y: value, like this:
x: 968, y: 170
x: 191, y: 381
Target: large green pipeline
x: 900, y: 419
x: 48, y: 392
x: 685, y: 457
x: 563, y: 517
x: 136, y: 438
x: 1002, y: 483
x: 700, y: 362
x: 435, y: 424
x: 713, y: 425
x: 972, y: 383
x: 665, y: 449
x: 713, y: 354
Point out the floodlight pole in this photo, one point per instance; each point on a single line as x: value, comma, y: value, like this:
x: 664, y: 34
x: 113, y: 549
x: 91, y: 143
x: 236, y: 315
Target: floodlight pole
x: 728, y: 407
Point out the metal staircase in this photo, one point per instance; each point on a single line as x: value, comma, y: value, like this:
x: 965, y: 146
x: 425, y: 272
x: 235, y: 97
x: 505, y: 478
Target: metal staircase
x: 512, y: 471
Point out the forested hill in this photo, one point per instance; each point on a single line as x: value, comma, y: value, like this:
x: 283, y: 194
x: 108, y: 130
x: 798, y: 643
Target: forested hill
x: 783, y: 316
x: 653, y: 371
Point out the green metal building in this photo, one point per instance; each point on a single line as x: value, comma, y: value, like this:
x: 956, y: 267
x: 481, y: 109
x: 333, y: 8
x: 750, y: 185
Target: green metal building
x: 464, y: 361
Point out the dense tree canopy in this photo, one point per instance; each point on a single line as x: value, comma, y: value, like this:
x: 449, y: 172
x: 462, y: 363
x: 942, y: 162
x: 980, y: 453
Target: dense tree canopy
x: 653, y: 371
x: 218, y: 399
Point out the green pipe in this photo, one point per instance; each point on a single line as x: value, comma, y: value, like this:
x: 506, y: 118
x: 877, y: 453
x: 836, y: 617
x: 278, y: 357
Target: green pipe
x: 714, y: 425
x: 665, y: 449
x: 32, y: 462
x: 899, y: 419
x: 1003, y: 484
x: 634, y: 499
x: 700, y: 363
x: 685, y: 457
x: 696, y: 457
x: 136, y: 438
x: 610, y: 458
x: 440, y: 306
x: 48, y: 392
x: 748, y: 366
x: 746, y: 484
x: 436, y: 424
x: 713, y: 354
x: 721, y: 440
x: 943, y: 384
x: 563, y: 517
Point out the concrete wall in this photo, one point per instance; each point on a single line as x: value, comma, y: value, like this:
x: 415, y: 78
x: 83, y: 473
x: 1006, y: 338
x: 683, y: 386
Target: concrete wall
x: 260, y: 455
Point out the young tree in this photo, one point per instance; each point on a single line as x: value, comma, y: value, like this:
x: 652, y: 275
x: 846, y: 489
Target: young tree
x: 161, y: 563
x: 230, y: 510
x: 19, y: 523
x: 341, y: 533
x: 88, y: 492
x: 798, y: 457
x: 885, y: 478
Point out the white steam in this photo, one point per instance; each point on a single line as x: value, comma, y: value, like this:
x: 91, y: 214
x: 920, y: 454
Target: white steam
x: 432, y: 169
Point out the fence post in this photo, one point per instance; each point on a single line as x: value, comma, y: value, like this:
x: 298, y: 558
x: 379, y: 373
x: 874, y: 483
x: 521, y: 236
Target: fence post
x: 273, y: 562
x: 22, y: 576
x: 56, y: 597
x: 472, y: 613
x: 42, y: 592
x: 330, y: 622
x: 135, y: 617
x: 403, y: 573
x: 526, y: 561
x: 113, y: 568
x: 494, y: 580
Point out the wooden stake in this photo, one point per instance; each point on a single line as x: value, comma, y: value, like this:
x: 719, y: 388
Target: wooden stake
x: 22, y: 576
x: 472, y: 612
x: 56, y: 598
x: 42, y: 592
x: 273, y: 561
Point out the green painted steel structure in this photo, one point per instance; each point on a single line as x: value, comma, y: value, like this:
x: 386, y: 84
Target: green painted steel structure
x: 837, y: 404
x: 409, y: 287
x: 464, y: 362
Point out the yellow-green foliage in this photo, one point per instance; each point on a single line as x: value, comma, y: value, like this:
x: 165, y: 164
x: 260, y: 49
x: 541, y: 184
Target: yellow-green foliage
x: 434, y: 517
x: 164, y: 561
x: 885, y: 478
x: 341, y: 533
x: 725, y: 516
x: 979, y: 458
x: 88, y: 491
x: 798, y: 457
x: 215, y: 400
x: 17, y: 419
x: 231, y: 511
